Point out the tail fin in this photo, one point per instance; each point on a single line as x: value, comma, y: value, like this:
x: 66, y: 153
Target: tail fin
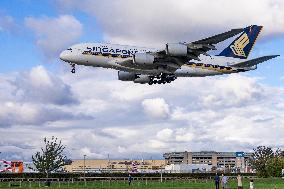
x: 241, y: 46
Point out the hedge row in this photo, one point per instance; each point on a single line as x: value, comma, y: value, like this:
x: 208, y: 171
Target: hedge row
x: 78, y: 175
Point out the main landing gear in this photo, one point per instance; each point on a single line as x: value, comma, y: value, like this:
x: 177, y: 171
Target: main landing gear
x: 162, y: 79
x: 73, y: 70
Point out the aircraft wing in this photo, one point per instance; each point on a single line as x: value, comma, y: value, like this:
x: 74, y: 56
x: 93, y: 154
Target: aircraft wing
x: 219, y: 37
x: 253, y: 62
x: 199, y: 47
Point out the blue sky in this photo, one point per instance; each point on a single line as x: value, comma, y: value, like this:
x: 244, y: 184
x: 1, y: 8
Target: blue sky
x: 21, y: 40
x: 39, y: 97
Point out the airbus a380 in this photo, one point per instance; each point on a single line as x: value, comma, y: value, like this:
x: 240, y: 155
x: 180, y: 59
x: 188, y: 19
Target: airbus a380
x: 160, y: 66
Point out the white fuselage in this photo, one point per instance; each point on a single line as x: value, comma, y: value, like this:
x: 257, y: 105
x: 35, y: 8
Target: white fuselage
x: 114, y: 57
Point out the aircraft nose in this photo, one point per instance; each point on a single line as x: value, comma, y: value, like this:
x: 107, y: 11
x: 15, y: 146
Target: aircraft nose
x: 64, y: 56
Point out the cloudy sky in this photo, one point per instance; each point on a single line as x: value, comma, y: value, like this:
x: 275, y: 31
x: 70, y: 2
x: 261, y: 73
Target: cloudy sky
x: 95, y: 114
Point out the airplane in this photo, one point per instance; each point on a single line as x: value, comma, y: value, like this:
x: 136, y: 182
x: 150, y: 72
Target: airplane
x: 160, y: 66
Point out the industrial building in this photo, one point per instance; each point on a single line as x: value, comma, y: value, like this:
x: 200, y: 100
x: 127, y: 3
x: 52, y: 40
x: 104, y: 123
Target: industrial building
x: 101, y: 166
x: 237, y: 161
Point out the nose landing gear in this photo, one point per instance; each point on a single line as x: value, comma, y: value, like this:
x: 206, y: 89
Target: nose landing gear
x: 73, y: 70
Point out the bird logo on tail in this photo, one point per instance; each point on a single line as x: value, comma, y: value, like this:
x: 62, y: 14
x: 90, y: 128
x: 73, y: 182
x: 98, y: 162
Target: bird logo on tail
x: 239, y: 45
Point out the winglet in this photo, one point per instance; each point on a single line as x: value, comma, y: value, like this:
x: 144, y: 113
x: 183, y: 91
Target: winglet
x: 241, y: 46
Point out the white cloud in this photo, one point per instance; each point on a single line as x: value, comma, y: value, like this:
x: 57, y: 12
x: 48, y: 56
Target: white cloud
x: 131, y: 93
x: 54, y: 34
x: 23, y: 113
x: 156, y: 108
x: 165, y: 134
x: 98, y: 115
x: 156, y: 22
x: 39, y: 77
x: 214, y: 113
x: 157, y: 144
x: 88, y: 152
x: 33, y: 97
x: 182, y: 135
x: 41, y: 86
x: 121, y: 132
x: 236, y: 89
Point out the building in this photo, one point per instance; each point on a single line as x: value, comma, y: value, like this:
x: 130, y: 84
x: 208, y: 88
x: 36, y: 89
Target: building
x: 188, y: 168
x: 237, y: 161
x: 100, y: 166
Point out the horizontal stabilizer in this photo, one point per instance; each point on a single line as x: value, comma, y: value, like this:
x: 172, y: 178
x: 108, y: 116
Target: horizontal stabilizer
x: 253, y: 62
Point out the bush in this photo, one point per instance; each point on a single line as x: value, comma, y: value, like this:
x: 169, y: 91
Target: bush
x: 274, y: 166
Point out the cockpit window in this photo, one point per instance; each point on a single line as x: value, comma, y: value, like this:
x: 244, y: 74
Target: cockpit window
x: 69, y: 49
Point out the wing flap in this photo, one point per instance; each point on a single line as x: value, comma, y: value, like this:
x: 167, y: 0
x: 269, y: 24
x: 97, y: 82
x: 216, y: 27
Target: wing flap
x: 254, y: 62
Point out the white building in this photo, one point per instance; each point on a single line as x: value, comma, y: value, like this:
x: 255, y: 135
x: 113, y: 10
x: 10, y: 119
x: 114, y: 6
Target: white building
x: 188, y: 168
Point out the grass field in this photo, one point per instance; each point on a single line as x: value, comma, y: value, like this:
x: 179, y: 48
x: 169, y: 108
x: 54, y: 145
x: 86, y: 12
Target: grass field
x: 139, y: 184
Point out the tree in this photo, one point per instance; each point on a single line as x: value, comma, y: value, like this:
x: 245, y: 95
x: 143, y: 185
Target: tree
x: 50, y: 158
x: 260, y: 158
x: 274, y: 166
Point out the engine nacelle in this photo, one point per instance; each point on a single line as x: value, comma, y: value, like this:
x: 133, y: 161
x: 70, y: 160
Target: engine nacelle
x: 142, y: 79
x: 176, y: 49
x: 143, y: 59
x: 126, y: 76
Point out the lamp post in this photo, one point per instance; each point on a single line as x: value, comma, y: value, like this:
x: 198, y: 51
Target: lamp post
x: 161, y: 173
x: 85, y: 166
x: 224, y: 165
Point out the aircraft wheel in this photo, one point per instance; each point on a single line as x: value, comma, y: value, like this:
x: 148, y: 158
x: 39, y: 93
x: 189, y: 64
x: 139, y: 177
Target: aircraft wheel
x: 73, y: 70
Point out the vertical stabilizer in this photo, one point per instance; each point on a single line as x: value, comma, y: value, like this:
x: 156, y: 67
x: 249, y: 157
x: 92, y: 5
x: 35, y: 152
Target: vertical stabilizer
x: 241, y: 46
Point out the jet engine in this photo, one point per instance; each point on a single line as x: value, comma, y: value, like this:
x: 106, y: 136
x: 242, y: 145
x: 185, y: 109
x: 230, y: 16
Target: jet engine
x: 126, y: 76
x: 142, y: 79
x: 176, y: 49
x: 143, y: 59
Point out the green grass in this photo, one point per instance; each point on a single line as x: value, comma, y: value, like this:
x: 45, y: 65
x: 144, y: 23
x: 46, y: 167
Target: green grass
x: 139, y: 184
